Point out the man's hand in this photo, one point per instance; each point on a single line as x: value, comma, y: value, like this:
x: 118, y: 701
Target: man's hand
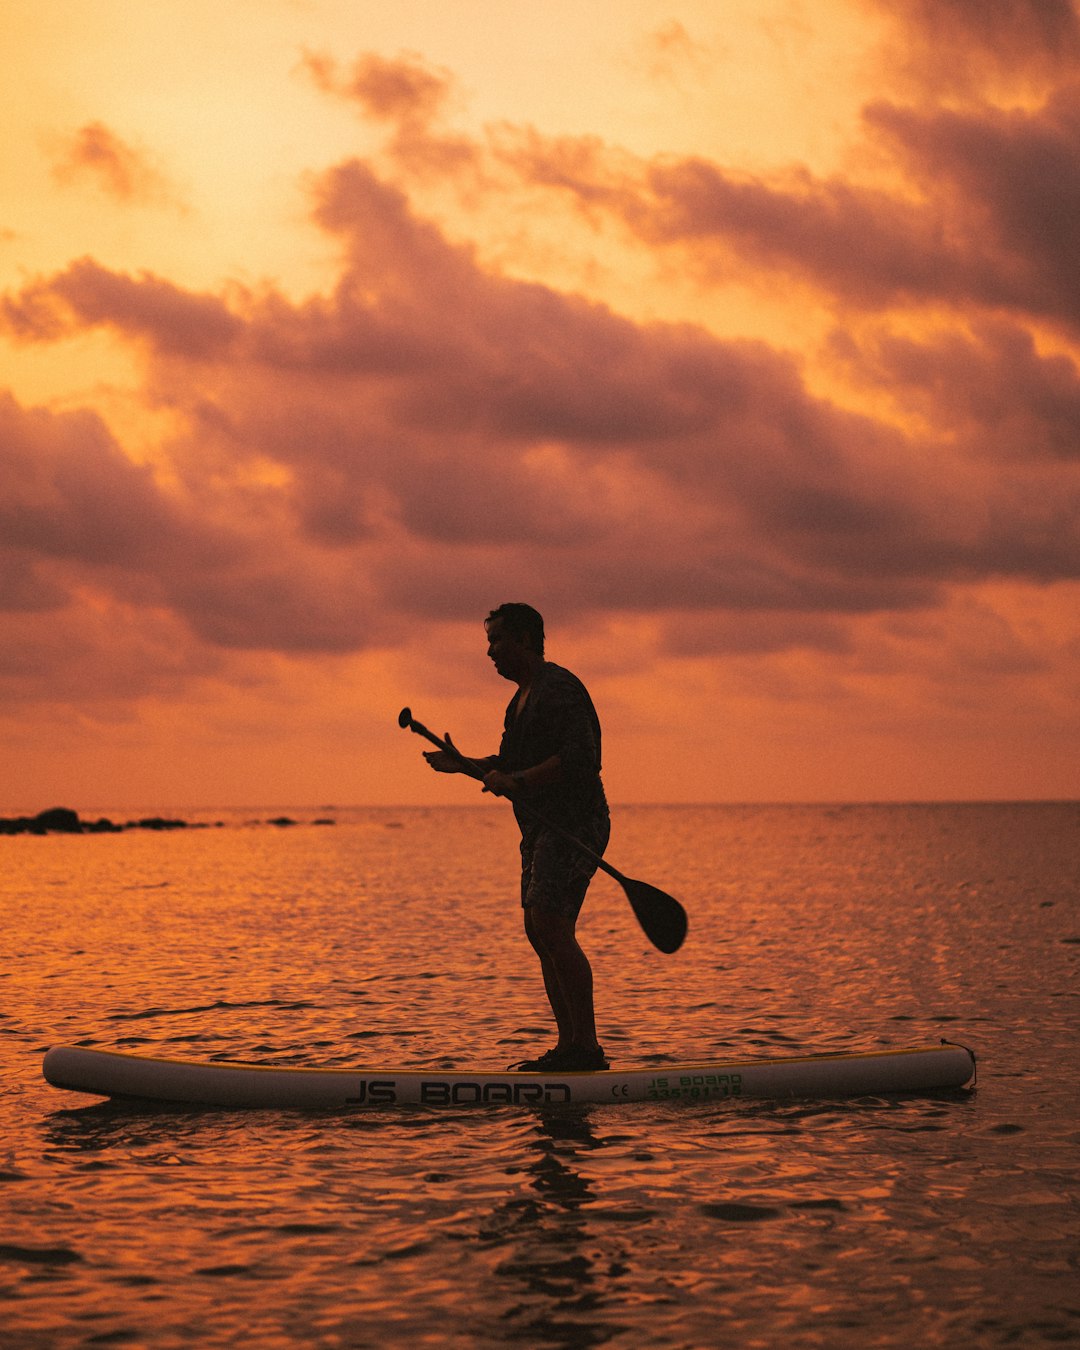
x: 500, y: 784
x: 441, y: 762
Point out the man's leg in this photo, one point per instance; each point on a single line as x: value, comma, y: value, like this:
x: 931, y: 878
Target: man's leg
x: 568, y: 977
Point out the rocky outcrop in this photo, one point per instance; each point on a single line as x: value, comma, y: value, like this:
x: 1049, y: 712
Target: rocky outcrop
x: 62, y: 820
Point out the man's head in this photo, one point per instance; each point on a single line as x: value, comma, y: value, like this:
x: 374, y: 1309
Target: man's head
x: 521, y: 622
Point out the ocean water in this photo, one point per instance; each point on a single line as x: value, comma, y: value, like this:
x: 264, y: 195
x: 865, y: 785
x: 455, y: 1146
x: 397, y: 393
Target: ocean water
x: 393, y: 937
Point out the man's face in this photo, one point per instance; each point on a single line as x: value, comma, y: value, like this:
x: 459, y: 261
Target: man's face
x: 508, y: 653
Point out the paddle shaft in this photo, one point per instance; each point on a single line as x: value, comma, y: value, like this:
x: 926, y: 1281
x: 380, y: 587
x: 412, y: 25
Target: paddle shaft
x: 473, y: 772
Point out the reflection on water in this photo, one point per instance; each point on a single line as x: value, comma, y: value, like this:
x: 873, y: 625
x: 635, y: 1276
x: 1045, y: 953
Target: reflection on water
x: 933, y: 1220
x: 543, y: 1239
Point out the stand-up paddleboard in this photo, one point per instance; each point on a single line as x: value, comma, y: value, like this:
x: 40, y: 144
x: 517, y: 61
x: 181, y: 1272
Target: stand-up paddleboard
x: 110, y: 1073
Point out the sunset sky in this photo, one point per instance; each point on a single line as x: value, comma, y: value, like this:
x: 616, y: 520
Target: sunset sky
x: 740, y: 338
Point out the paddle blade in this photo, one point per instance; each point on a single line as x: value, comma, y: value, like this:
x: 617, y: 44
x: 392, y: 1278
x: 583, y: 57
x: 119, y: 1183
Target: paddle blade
x: 660, y: 915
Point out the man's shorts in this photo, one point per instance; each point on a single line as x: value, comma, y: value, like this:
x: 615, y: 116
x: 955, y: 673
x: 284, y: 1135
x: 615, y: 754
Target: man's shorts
x: 554, y: 874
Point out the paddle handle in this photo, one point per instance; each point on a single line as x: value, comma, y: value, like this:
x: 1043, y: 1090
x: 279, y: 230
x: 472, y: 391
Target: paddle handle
x: 406, y: 719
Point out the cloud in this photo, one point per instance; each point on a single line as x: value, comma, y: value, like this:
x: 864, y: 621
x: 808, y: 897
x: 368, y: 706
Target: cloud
x: 23, y: 587
x: 91, y: 546
x: 81, y: 522
x: 430, y: 429
x: 1012, y: 179
x: 86, y: 295
x: 431, y: 434
x: 754, y: 633
x: 668, y: 52
x: 101, y: 656
x: 348, y: 480
x: 959, y: 45
x: 971, y: 202
x: 410, y: 96
x: 986, y: 216
x: 125, y: 172
x: 71, y: 494
x: 989, y: 390
x: 966, y: 635
x: 406, y: 89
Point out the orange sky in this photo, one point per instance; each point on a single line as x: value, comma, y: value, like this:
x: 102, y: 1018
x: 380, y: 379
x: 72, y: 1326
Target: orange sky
x: 741, y: 340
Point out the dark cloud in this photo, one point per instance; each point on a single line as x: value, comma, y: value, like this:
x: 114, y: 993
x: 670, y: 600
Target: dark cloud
x: 145, y: 307
x: 100, y: 655
x: 864, y: 246
x: 990, y: 217
x: 298, y: 601
x: 430, y: 430
x: 982, y: 211
x: 958, y: 45
x: 502, y: 371
x: 1013, y: 184
x: 70, y: 493
x: 23, y: 585
x: 472, y: 350
x: 79, y: 518
x: 990, y: 391
x: 90, y: 547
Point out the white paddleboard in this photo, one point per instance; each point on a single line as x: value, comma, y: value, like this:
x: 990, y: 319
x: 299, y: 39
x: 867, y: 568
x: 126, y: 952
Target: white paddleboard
x: 221, y: 1083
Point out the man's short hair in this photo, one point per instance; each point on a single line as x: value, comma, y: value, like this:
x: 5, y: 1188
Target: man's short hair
x: 524, y: 622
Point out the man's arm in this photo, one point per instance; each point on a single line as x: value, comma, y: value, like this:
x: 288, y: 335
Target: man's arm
x: 506, y: 784
x: 575, y: 731
x: 442, y: 762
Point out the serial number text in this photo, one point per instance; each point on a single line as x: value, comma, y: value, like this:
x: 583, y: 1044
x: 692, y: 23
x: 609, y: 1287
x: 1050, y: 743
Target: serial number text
x: 696, y: 1085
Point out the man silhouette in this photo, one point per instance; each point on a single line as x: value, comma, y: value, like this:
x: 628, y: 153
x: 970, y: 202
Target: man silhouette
x: 549, y: 758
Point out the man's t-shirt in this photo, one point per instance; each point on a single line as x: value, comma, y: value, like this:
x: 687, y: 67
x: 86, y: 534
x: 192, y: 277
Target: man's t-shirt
x: 558, y: 719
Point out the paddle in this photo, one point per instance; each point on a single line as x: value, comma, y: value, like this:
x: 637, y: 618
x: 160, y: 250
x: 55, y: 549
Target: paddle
x: 660, y: 915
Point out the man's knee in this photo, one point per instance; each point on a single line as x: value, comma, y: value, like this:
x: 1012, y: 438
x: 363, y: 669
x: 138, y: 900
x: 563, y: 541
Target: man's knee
x: 548, y: 929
